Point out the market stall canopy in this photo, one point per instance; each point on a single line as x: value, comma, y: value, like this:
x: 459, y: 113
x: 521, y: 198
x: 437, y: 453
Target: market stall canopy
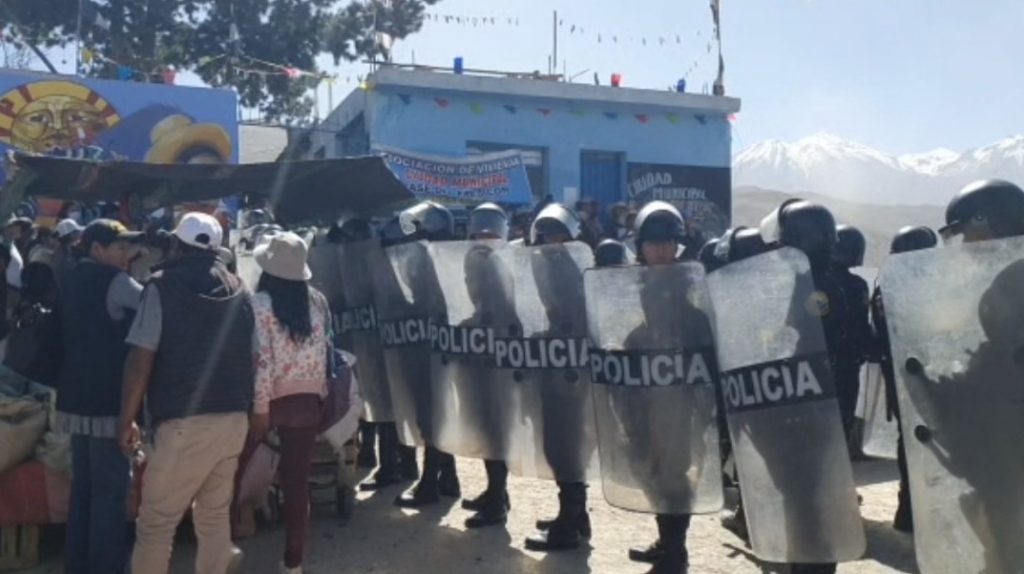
x: 299, y: 191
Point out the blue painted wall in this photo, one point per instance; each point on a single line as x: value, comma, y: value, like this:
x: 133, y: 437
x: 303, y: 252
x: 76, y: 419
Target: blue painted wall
x: 442, y: 123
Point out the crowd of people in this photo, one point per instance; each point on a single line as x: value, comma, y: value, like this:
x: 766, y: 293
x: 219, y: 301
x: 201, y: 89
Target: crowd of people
x: 194, y: 365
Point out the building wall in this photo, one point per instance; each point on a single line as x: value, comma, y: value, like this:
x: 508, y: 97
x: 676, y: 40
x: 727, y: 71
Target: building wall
x: 443, y: 123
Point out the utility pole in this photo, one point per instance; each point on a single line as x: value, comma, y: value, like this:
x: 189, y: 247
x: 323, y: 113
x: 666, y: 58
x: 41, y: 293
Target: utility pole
x: 552, y: 68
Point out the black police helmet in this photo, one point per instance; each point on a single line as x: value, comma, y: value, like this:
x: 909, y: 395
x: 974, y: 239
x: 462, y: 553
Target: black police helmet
x: 995, y: 203
x: 738, y: 244
x: 803, y: 225
x: 391, y: 233
x: 428, y: 220
x: 708, y: 256
x: 611, y: 253
x: 850, y: 246
x: 487, y: 219
x: 914, y: 239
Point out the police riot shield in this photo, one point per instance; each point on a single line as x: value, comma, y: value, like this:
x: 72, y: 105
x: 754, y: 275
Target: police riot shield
x: 880, y: 428
x: 357, y: 325
x: 653, y: 370
x: 472, y: 397
x: 552, y: 413
x: 956, y: 321
x: 323, y: 261
x: 783, y: 417
x: 408, y: 298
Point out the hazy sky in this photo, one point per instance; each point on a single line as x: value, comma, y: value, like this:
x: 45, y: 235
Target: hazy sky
x: 900, y: 75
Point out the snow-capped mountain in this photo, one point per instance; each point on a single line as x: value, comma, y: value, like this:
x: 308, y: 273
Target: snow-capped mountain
x: 829, y: 165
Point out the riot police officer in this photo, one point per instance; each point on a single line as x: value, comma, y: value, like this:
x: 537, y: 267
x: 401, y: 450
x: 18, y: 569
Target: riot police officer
x: 811, y: 229
x: 849, y: 253
x: 489, y: 221
x: 906, y: 240
x: 353, y: 229
x: 390, y: 233
x: 735, y: 245
x: 429, y: 221
x: 660, y: 233
x: 611, y: 252
x: 556, y: 224
x: 984, y: 210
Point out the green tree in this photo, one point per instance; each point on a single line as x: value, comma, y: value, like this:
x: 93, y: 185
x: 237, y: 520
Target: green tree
x: 369, y: 29
x: 220, y: 40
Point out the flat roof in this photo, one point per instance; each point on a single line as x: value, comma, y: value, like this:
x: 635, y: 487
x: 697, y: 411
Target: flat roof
x: 389, y: 77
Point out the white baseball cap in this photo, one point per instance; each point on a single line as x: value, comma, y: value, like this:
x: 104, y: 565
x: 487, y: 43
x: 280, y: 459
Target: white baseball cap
x: 199, y: 230
x: 67, y: 227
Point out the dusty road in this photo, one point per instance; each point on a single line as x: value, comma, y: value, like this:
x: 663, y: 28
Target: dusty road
x: 382, y: 539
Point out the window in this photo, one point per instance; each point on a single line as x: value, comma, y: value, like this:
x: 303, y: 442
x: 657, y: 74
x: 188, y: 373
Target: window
x: 535, y: 159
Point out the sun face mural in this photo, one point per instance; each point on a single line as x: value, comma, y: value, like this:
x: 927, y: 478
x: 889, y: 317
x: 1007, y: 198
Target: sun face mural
x: 103, y: 120
x: 53, y: 116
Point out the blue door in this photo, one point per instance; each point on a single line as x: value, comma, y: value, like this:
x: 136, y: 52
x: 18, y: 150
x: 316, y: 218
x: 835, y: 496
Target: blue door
x: 601, y: 179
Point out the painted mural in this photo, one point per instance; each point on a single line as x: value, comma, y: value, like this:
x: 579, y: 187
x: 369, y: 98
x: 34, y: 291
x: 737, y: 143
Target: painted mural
x: 108, y: 120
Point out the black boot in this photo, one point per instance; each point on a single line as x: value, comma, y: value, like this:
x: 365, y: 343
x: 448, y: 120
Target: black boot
x: 367, y: 445
x: 427, y: 491
x: 493, y: 513
x: 448, y: 478
x: 407, y: 466
x: 564, y: 531
x: 497, y: 480
x: 387, y: 475
x: 669, y: 556
x: 648, y: 554
x: 583, y: 525
x: 904, y: 519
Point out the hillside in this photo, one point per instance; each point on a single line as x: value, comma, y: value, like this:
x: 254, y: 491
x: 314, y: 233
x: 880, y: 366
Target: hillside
x: 835, y: 167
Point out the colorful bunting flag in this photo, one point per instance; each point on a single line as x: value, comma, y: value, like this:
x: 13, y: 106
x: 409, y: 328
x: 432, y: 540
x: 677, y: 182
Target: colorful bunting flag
x: 406, y: 98
x: 510, y: 109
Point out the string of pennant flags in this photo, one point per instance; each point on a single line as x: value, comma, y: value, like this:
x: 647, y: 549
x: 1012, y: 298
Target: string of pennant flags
x: 125, y: 72
x: 703, y: 40
x: 479, y: 109
x: 577, y: 29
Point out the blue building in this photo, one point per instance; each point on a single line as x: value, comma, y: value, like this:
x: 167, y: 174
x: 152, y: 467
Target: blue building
x: 577, y: 140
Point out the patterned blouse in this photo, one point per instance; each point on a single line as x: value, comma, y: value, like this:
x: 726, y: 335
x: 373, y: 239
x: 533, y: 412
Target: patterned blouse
x: 286, y: 367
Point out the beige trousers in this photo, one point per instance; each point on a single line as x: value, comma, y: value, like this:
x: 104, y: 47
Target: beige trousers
x: 193, y: 464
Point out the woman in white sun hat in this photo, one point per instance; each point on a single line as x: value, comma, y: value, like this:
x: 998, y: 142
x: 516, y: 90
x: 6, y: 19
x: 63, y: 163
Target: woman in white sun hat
x: 292, y: 327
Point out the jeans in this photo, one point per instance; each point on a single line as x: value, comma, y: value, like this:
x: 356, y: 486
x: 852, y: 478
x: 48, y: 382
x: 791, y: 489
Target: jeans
x: 97, y: 534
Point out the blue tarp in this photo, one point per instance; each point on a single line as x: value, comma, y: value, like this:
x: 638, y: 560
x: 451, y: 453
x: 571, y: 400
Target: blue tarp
x: 498, y: 177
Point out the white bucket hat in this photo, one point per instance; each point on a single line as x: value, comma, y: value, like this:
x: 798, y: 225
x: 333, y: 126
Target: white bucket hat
x: 284, y: 256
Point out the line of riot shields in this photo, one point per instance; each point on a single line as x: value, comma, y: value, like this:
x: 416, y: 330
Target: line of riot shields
x: 530, y: 355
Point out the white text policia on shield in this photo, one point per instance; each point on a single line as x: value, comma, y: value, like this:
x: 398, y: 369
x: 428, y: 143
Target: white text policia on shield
x: 649, y: 369
x: 769, y: 384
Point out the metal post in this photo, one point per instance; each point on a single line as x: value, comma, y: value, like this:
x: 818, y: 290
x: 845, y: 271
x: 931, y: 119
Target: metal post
x: 554, y: 55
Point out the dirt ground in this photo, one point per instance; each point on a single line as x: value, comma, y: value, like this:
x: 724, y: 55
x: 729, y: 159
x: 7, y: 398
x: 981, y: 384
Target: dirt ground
x: 383, y: 539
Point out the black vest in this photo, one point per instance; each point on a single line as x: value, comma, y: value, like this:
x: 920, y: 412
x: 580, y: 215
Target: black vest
x: 90, y: 382
x: 204, y: 363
